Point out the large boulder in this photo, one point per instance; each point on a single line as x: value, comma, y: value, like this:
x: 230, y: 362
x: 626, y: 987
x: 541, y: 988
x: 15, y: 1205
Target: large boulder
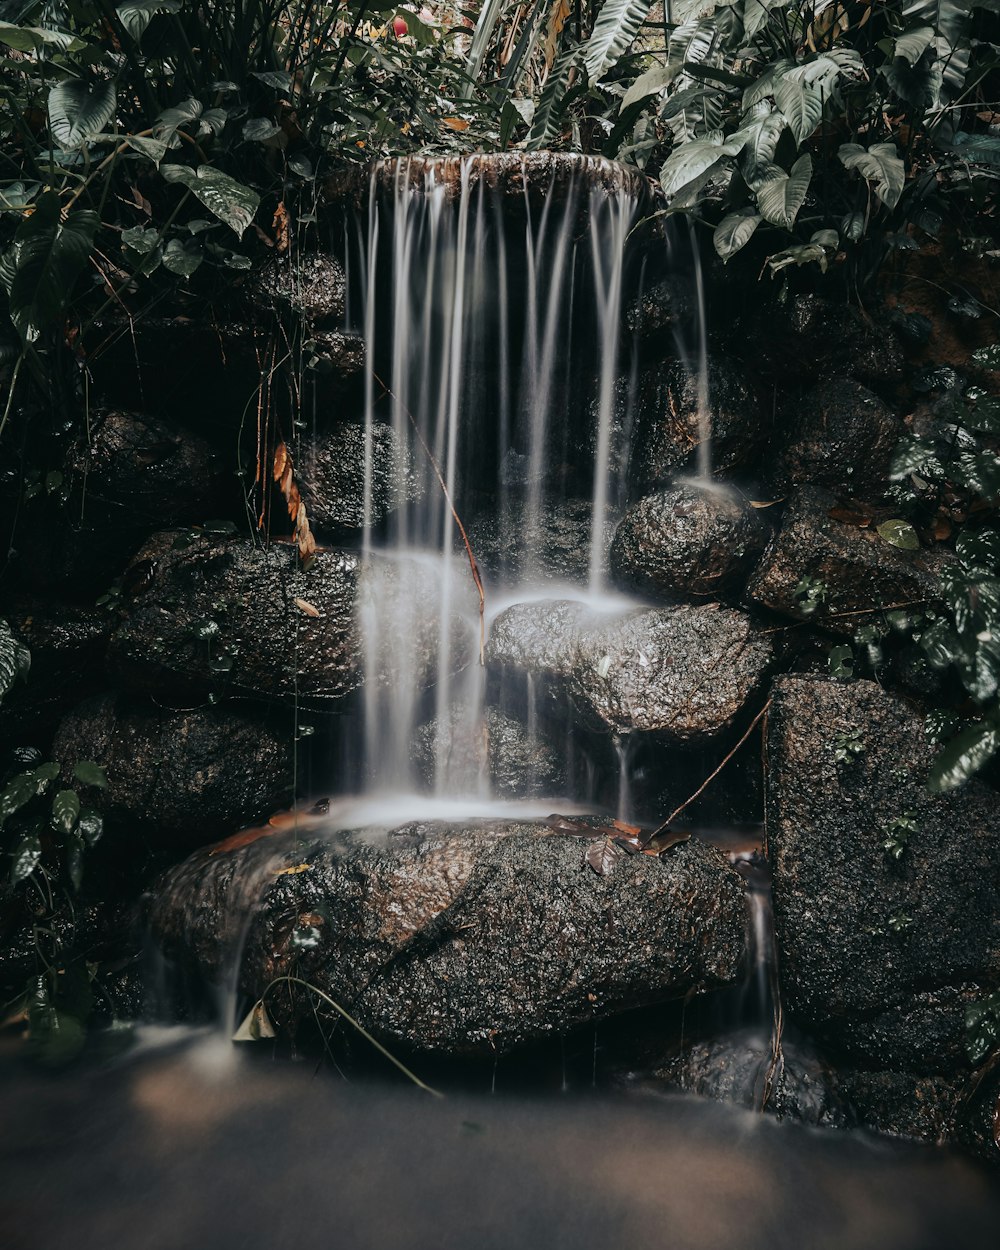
x: 468, y: 939
x: 129, y: 475
x: 461, y: 750
x: 690, y: 542
x: 880, y: 956
x: 225, y: 613
x: 837, y: 573
x: 330, y: 471
x: 682, y: 673
x: 179, y: 775
x: 839, y: 435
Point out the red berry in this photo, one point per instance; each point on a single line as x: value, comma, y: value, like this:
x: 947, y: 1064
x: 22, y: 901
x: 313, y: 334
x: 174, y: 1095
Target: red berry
x: 399, y: 26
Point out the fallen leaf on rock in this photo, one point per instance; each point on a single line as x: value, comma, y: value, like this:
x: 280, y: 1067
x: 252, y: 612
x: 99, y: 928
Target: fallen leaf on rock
x: 243, y: 838
x: 293, y: 871
x: 306, y: 607
x: 256, y: 1025
x: 851, y: 516
x: 601, y: 856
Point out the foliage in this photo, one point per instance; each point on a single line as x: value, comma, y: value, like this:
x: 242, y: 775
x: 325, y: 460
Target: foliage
x: 982, y: 1028
x: 45, y: 832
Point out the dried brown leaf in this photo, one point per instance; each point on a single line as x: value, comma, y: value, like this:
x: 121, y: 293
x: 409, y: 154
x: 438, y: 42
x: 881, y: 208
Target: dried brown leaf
x: 601, y: 855
x: 304, y: 606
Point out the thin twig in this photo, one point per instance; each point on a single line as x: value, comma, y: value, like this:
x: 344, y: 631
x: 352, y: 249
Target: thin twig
x: 314, y: 989
x: 710, y: 778
x: 455, y: 517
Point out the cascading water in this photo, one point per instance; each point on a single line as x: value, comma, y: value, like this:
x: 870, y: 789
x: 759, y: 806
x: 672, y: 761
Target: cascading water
x: 492, y: 323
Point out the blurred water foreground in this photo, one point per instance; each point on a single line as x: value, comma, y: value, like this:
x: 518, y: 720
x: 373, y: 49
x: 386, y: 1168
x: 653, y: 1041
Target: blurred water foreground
x: 181, y: 1145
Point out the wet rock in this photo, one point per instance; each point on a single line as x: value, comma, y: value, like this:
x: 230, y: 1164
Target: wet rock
x: 683, y: 673
x: 536, y: 177
x: 902, y: 1104
x: 334, y: 355
x: 814, y: 337
x: 742, y: 1068
x: 689, y: 542
x: 494, y: 747
x: 667, y: 430
x: 67, y: 643
x: 659, y: 312
x: 179, y: 775
x: 839, y: 435
x: 225, y: 614
x: 468, y: 939
x: 845, y: 572
x: 135, y: 474
x: 511, y: 545
x: 879, y: 956
x: 331, y: 477
x: 313, y: 287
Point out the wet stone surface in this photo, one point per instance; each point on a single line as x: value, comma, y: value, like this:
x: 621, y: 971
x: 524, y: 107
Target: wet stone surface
x: 179, y: 775
x: 689, y: 542
x: 469, y: 939
x: 683, y: 673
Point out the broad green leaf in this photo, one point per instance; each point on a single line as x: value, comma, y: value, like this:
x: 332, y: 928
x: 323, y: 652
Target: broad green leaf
x: 979, y: 552
x: 647, y: 84
x: 45, y: 773
x: 141, y: 239
x: 781, y: 196
x: 25, y: 857
x: 230, y: 201
x: 74, y: 860
x: 690, y: 160
x: 757, y: 161
x: 913, y: 43
x: 963, y: 756
x: 734, y: 232
x: 802, y: 92
x: 56, y: 1036
x: 78, y: 111
x: 136, y: 15
x: 801, y: 254
x: 15, y: 659
x: 91, y: 825
x: 988, y: 357
x: 881, y: 165
x: 766, y: 84
x: 49, y: 255
x: 280, y: 79
x: 260, y: 129
x: 182, y: 258
x: 18, y: 791
x: 616, y: 27
x: 31, y: 38
x: 90, y: 774
x: 178, y: 118
x: 899, y: 534
x: 65, y: 809
x: 155, y: 149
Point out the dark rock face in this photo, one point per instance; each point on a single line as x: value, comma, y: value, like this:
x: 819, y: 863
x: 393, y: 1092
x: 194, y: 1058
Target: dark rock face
x: 668, y: 430
x: 879, y: 957
x: 136, y: 474
x: 818, y: 338
x: 225, y: 613
x: 180, y: 775
x: 332, y: 354
x: 552, y: 547
x: 684, y: 673
x: 742, y: 1068
x: 470, y: 939
x: 856, y: 571
x: 331, y: 476
x: 842, y: 436
x: 689, y: 542
x: 662, y: 309
x: 313, y: 287
x: 517, y: 764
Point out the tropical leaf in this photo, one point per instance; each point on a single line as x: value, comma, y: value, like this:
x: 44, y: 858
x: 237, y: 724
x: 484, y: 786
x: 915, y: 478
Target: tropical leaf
x: 65, y: 810
x: 912, y: 44
x: 15, y: 659
x: 616, y: 27
x: 780, y: 197
x: 229, y: 200
x: 547, y: 121
x: 647, y: 84
x: 734, y: 232
x: 78, y: 112
x: 486, y: 23
x: 691, y: 161
x: 801, y: 93
x: 881, y: 165
x: 137, y: 14
x: 963, y: 756
x: 48, y: 256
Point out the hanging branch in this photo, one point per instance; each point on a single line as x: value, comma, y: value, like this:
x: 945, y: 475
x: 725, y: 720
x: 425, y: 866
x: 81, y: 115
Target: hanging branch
x: 474, y: 567
x: 710, y: 778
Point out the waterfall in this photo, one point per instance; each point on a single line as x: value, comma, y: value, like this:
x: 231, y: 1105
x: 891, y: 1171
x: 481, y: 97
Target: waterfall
x: 492, y: 320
